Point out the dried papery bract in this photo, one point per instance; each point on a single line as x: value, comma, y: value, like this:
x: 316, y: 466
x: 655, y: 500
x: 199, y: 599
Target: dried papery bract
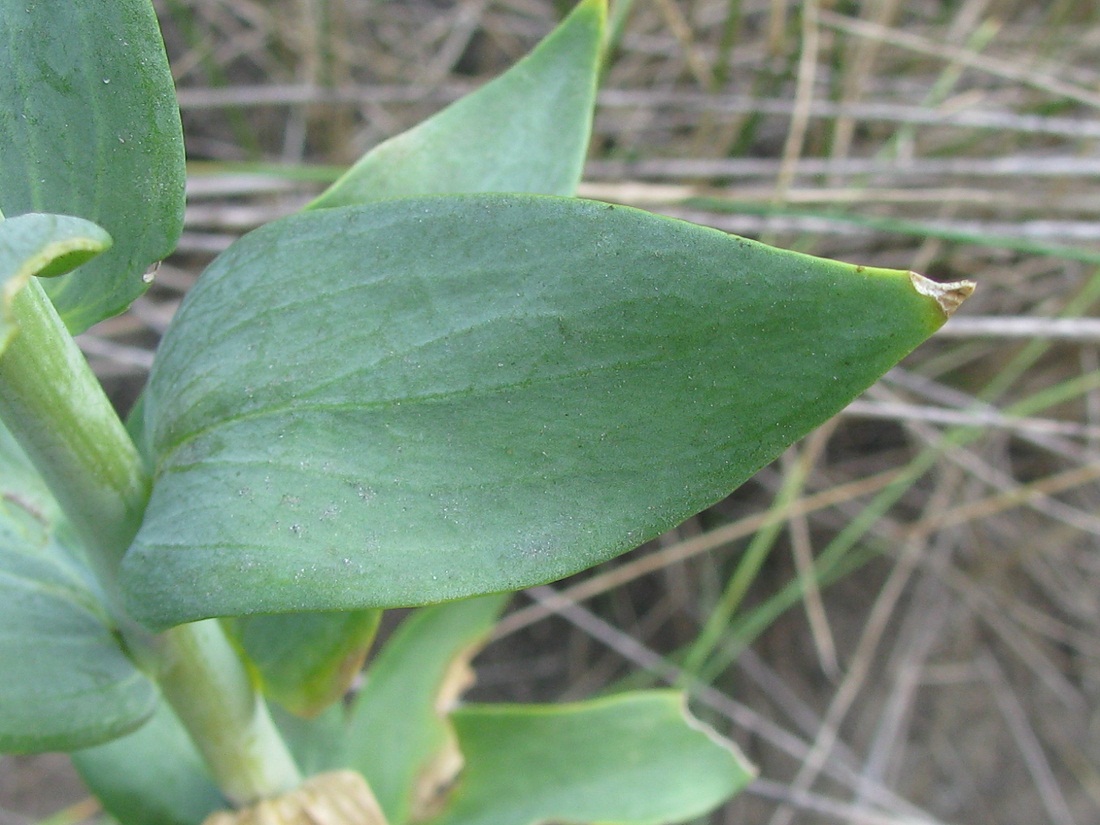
x: 437, y: 777
x: 948, y: 295
x: 334, y: 798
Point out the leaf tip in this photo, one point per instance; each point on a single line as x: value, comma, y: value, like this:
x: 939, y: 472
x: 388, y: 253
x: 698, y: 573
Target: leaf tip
x: 745, y: 769
x: 949, y: 296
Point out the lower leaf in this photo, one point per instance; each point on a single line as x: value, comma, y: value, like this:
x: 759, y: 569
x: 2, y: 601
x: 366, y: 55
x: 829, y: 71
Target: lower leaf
x: 635, y: 759
x: 398, y: 734
x: 66, y: 681
x: 306, y: 661
x: 154, y: 776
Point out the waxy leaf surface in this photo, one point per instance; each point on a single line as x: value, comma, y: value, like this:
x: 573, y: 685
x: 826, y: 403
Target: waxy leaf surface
x: 66, y: 682
x: 426, y: 399
x: 89, y: 126
x: 526, y: 131
x: 636, y: 758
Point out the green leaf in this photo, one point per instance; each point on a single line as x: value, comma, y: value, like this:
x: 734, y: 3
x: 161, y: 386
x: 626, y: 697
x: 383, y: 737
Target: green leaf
x: 526, y: 131
x: 636, y: 758
x: 412, y: 683
x: 421, y: 400
x: 43, y: 245
x: 90, y: 127
x: 66, y: 681
x: 154, y: 776
x: 315, y: 743
x: 306, y: 661
x: 47, y: 245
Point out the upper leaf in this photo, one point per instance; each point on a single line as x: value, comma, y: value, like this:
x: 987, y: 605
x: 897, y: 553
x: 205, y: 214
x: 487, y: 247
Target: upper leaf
x: 66, y: 681
x: 526, y: 131
x: 425, y: 399
x: 43, y: 245
x: 89, y: 126
x: 636, y: 758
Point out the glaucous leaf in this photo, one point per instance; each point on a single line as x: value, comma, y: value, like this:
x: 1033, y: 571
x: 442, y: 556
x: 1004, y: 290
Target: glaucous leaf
x: 42, y: 245
x: 526, y: 131
x: 306, y: 661
x: 153, y: 776
x: 316, y: 742
x: 90, y: 127
x: 411, y: 685
x: 636, y: 758
x: 66, y: 681
x: 425, y: 399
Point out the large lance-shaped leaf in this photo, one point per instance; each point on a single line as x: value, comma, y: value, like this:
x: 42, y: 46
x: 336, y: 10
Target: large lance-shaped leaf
x: 636, y: 758
x: 526, y: 131
x: 89, y: 126
x: 66, y: 682
x: 426, y: 399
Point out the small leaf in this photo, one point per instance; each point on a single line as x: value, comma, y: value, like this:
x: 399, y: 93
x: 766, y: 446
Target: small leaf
x: 90, y: 127
x: 42, y: 245
x: 315, y: 743
x: 410, y: 688
x: 636, y: 758
x: 420, y: 400
x: 48, y: 245
x: 153, y: 776
x: 526, y: 131
x: 66, y: 681
x: 306, y: 661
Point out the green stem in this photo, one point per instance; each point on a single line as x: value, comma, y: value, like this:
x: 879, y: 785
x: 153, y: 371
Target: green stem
x: 52, y: 403
x: 240, y: 743
x: 55, y: 407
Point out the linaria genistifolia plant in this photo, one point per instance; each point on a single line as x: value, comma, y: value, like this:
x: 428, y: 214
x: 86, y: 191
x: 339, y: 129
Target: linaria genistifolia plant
x: 445, y: 380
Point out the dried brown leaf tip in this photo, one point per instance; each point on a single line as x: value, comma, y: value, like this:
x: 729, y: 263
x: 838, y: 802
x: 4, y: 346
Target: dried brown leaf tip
x: 949, y: 295
x: 435, y: 779
x: 334, y: 798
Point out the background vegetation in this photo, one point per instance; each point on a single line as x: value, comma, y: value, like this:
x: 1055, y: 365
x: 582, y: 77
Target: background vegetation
x: 899, y: 621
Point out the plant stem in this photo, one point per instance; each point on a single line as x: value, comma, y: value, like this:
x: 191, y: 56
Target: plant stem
x: 55, y: 407
x: 240, y: 743
x: 52, y: 403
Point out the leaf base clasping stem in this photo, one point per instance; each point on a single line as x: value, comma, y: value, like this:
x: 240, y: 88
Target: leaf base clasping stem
x: 52, y: 403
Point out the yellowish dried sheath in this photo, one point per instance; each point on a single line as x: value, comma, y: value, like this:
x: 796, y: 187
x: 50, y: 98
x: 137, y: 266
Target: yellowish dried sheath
x: 334, y: 798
